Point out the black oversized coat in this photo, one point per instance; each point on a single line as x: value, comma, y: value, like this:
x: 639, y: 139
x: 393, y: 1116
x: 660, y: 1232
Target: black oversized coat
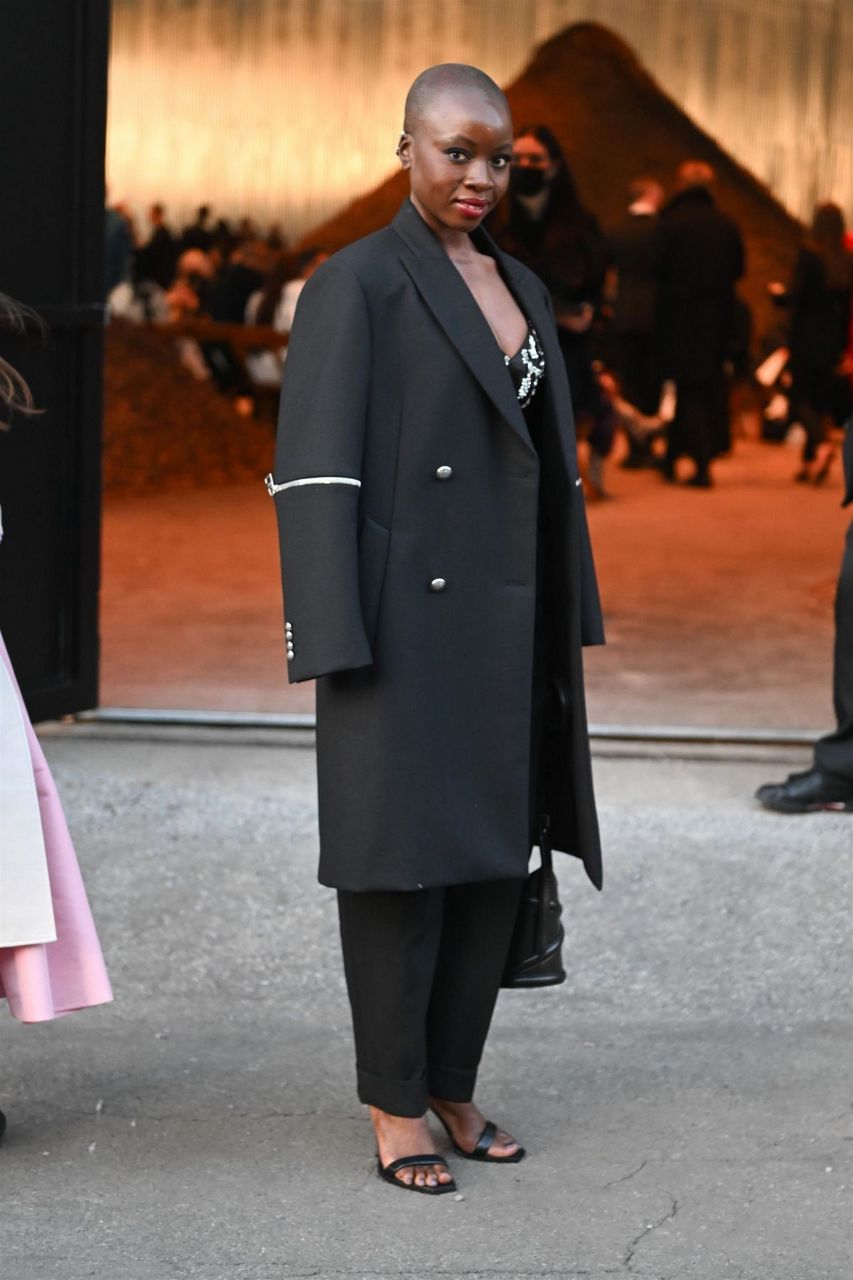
x: 406, y: 491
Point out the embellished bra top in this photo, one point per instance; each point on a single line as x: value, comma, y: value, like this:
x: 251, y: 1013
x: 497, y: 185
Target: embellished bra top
x: 527, y: 368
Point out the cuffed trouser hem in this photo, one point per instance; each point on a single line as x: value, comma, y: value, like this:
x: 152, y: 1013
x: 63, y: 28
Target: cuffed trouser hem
x: 452, y: 1084
x: 397, y: 1097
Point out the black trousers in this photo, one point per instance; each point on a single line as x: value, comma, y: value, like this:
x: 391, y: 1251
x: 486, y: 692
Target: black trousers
x: 834, y: 753
x: 701, y: 426
x: 634, y: 358
x: 424, y: 967
x: 423, y: 972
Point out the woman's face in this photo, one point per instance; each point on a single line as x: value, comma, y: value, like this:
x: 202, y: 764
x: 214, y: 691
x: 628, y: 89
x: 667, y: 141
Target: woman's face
x: 458, y: 156
x: 529, y: 153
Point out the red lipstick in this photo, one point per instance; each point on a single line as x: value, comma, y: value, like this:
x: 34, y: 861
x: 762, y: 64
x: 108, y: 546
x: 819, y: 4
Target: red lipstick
x: 473, y: 208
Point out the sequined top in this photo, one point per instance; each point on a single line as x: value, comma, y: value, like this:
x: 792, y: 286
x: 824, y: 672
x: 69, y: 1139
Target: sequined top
x: 527, y: 368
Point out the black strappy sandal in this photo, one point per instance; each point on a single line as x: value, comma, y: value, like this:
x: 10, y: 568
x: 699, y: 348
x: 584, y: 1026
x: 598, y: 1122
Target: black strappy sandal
x: 388, y: 1173
x: 481, y: 1147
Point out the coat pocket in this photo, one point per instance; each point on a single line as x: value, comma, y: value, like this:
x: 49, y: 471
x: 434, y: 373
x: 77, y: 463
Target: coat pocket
x: 373, y: 545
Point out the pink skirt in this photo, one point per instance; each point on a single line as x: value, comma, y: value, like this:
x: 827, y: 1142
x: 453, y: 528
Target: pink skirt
x: 47, y: 979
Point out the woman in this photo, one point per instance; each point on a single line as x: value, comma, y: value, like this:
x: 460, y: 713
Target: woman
x: 545, y: 224
x: 819, y: 298
x: 50, y: 959
x: 436, y: 595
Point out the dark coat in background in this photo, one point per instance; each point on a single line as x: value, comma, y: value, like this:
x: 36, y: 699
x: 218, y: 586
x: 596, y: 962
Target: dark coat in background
x: 701, y: 259
x: 634, y: 250
x: 406, y: 494
x: 820, y: 311
x: 565, y: 247
x: 634, y: 245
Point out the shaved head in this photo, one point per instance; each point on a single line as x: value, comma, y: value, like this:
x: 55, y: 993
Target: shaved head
x: 452, y: 77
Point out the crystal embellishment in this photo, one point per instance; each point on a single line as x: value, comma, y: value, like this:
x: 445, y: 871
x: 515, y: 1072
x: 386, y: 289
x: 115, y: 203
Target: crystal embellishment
x: 531, y: 358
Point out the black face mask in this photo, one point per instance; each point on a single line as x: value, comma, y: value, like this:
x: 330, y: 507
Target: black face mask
x: 527, y: 181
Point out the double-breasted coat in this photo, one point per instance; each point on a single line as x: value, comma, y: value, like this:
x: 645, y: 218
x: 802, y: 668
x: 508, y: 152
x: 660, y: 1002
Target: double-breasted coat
x: 407, y: 494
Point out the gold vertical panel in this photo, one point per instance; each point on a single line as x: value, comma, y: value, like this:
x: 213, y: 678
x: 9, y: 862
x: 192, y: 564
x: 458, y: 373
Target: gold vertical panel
x: 286, y: 109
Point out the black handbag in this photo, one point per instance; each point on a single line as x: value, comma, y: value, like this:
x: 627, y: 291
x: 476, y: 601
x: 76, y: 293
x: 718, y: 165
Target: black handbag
x: 535, y: 953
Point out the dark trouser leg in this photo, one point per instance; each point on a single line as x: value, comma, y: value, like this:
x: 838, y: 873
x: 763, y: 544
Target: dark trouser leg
x: 640, y: 384
x: 476, y: 933
x: 423, y: 972
x: 694, y: 425
x: 834, y: 753
x: 721, y: 410
x: 390, y: 945
x: 808, y: 400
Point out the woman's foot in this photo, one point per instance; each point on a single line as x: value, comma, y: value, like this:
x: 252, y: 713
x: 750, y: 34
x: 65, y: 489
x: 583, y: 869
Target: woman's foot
x: 825, y: 455
x: 465, y: 1123
x: 401, y: 1136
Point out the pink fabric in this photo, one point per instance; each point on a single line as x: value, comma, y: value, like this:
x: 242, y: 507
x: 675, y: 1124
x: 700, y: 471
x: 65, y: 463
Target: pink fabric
x: 48, y: 979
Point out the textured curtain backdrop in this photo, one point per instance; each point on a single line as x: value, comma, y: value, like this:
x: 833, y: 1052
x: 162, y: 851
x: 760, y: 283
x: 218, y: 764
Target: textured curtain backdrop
x: 286, y: 109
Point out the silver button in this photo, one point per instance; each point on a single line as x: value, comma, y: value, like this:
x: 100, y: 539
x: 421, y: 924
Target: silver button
x: 444, y: 473
x: 290, y: 655
x: 437, y: 584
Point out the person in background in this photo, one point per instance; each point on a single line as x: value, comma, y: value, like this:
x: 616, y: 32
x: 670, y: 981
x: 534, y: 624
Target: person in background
x: 701, y: 259
x: 275, y: 304
x: 198, y: 234
x: 545, y: 224
x: 819, y: 298
x: 156, y: 259
x: 828, y: 784
x: 50, y: 957
x: 191, y: 287
x: 634, y: 251
x: 275, y: 237
x: 118, y: 249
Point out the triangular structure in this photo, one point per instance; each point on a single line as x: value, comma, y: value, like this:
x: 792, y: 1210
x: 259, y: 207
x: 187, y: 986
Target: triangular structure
x: 614, y: 122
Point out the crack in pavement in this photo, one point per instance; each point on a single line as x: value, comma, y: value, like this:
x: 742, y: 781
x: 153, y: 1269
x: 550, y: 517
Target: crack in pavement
x: 647, y: 1231
x: 627, y: 1177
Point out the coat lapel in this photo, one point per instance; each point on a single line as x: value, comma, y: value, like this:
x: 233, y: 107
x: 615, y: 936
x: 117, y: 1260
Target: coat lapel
x: 555, y: 388
x: 452, y: 303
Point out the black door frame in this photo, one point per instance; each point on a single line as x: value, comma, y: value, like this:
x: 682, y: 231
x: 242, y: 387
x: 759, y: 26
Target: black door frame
x: 53, y: 101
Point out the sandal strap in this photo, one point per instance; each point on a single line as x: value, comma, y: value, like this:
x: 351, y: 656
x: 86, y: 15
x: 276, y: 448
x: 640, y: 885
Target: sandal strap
x: 485, y: 1140
x: 409, y: 1162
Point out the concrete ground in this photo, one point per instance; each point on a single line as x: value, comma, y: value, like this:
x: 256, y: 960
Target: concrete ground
x: 685, y: 1097
x: 718, y: 605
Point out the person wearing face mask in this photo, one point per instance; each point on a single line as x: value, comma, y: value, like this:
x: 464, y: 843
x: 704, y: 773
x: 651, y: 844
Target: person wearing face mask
x: 439, y: 585
x: 545, y: 224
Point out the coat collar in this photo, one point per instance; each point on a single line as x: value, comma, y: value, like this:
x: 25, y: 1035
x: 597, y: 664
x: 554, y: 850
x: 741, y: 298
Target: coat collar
x: 453, y: 305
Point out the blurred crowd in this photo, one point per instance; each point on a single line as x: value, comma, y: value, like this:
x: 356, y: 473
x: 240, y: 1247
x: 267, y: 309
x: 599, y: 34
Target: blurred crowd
x: 656, y: 338
x: 228, y: 274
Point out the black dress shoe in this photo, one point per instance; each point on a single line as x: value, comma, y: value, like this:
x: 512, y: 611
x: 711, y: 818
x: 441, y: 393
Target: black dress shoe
x: 808, y: 792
